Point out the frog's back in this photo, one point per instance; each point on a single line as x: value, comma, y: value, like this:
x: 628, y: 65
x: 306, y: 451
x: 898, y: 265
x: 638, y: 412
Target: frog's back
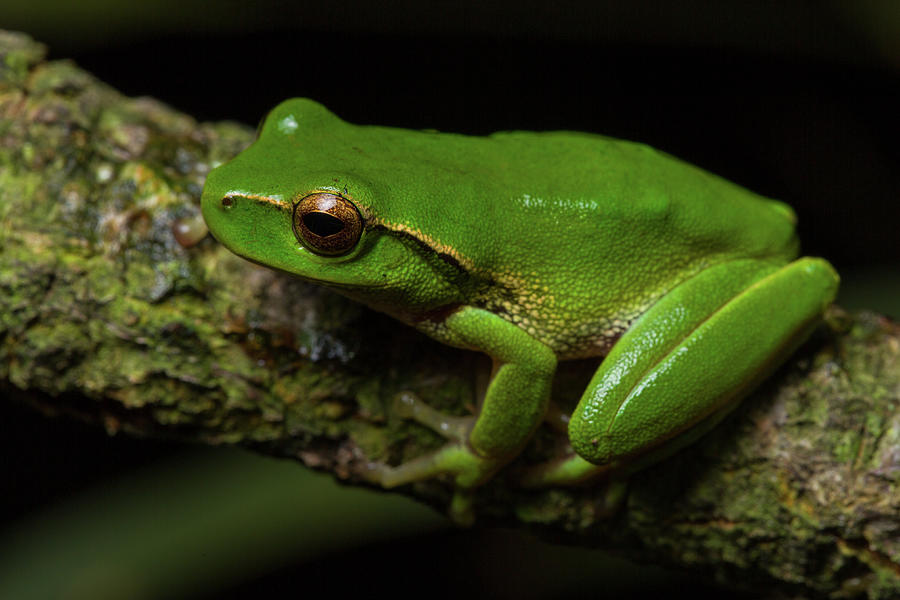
x: 577, y: 191
x: 580, y: 232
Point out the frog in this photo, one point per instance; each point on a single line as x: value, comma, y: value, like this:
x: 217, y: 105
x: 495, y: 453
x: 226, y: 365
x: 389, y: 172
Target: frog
x: 533, y: 248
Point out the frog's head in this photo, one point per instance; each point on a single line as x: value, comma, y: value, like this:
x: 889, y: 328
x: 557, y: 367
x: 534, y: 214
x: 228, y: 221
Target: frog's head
x: 286, y: 203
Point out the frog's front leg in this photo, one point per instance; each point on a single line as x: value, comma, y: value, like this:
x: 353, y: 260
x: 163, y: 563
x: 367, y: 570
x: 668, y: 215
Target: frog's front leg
x: 513, y: 407
x: 688, y: 361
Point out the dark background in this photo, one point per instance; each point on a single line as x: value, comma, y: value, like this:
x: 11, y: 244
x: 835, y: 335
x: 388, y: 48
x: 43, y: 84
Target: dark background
x: 795, y: 100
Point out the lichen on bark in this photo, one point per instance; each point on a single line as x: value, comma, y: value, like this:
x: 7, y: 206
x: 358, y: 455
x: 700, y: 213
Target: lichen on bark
x: 118, y: 309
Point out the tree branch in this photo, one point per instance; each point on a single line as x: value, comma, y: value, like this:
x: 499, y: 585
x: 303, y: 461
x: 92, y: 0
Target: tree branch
x: 118, y: 308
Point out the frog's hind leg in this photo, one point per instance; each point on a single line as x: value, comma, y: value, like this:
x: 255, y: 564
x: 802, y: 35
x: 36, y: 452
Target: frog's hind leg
x: 687, y: 362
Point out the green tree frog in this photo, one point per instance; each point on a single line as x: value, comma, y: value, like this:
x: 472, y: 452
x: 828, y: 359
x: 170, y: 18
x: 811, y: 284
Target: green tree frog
x: 534, y: 248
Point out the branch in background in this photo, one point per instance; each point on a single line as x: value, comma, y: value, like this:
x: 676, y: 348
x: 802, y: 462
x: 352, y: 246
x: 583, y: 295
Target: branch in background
x: 120, y: 310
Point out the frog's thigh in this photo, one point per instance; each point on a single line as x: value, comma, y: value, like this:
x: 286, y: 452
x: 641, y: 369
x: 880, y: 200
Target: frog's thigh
x: 688, y: 360
x: 513, y: 406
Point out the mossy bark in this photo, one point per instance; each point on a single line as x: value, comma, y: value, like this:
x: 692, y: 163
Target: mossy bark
x: 117, y: 308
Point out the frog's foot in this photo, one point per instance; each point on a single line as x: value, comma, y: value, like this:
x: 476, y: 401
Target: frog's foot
x: 611, y: 485
x: 457, y: 460
x: 467, y: 469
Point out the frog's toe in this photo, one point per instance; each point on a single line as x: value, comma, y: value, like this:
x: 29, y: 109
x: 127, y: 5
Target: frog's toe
x: 374, y: 472
x: 409, y: 406
x: 566, y: 471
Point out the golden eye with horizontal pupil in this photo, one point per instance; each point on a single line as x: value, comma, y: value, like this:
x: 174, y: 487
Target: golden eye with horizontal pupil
x: 327, y: 224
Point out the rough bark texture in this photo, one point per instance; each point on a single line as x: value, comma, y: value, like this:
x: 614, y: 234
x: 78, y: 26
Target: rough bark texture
x: 117, y: 309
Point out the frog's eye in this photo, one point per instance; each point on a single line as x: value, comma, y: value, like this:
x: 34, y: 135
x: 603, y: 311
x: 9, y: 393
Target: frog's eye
x: 327, y: 224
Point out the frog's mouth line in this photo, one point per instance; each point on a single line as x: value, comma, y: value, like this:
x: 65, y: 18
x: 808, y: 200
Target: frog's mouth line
x: 275, y: 201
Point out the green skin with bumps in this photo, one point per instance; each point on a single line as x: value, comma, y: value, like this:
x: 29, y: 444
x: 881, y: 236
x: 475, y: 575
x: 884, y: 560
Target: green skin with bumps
x: 534, y: 248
